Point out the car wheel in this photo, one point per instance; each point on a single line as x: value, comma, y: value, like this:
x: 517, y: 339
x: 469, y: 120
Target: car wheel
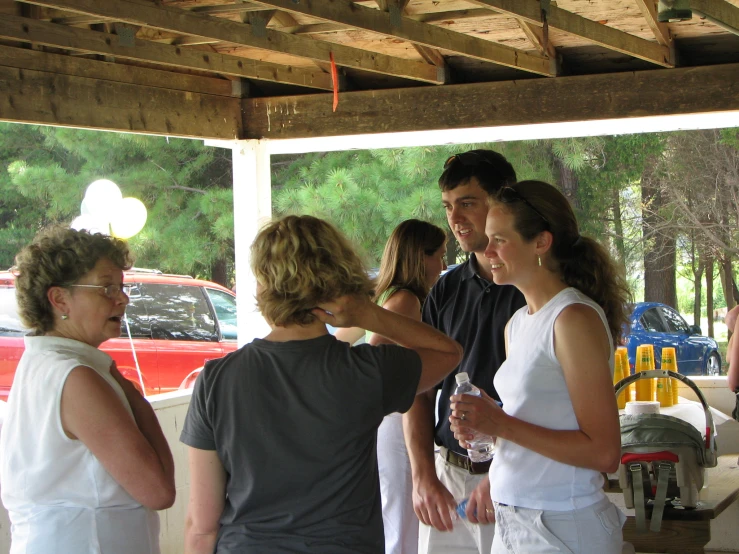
x: 713, y: 365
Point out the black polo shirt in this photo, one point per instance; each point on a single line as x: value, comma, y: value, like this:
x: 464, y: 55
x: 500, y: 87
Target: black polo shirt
x: 474, y: 312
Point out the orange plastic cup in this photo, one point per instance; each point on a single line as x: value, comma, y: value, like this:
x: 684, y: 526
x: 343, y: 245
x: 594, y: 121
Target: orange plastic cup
x: 669, y: 361
x: 621, y: 363
x: 644, y: 362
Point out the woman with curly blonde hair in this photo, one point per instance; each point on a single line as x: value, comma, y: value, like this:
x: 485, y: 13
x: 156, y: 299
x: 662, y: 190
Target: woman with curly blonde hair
x: 83, y: 461
x: 282, y: 433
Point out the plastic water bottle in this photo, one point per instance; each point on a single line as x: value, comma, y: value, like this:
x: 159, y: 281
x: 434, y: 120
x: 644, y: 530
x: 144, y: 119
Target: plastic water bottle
x: 462, y: 508
x: 481, y: 446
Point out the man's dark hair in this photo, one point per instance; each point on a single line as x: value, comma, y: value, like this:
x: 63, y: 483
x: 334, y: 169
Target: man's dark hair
x: 490, y: 168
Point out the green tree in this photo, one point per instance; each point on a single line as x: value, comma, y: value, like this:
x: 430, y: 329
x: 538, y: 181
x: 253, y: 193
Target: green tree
x: 186, y: 187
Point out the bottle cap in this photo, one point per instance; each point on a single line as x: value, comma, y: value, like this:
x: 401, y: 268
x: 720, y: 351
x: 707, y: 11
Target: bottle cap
x: 461, y: 377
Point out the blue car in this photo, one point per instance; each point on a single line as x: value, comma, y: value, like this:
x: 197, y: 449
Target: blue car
x: 660, y: 325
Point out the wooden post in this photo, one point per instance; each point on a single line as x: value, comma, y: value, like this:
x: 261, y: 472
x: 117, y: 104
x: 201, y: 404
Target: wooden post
x: 252, y: 208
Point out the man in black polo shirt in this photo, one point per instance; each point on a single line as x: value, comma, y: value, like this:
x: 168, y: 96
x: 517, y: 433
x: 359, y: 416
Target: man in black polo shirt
x: 467, y: 306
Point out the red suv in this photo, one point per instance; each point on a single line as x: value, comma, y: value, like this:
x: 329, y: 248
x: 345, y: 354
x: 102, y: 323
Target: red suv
x: 173, y: 325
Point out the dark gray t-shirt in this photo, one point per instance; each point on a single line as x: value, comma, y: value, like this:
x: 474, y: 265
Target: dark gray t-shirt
x: 295, y: 426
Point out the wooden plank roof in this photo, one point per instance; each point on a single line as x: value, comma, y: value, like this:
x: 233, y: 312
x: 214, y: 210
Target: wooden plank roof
x: 244, y: 69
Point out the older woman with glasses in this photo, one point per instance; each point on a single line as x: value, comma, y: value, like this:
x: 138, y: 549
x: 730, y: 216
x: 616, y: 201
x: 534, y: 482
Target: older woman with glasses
x: 558, y: 428
x: 83, y: 461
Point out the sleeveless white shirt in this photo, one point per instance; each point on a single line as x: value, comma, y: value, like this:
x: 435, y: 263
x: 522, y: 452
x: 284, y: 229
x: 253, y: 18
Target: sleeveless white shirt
x: 59, y: 497
x: 532, y: 387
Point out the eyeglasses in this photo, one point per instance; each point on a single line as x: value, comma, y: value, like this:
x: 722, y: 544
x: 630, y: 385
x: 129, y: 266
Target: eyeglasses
x: 111, y: 291
x: 468, y: 158
x: 509, y: 194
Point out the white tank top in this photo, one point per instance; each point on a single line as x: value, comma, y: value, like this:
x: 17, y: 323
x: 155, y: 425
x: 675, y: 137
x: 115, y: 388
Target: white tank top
x: 59, y: 497
x: 532, y: 387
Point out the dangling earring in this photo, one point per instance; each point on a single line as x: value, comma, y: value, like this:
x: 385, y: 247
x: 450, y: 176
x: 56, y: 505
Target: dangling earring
x: 65, y: 316
x: 539, y: 258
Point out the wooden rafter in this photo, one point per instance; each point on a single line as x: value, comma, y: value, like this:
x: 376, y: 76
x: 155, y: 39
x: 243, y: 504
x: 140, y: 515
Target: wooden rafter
x: 720, y: 11
x: 359, y: 17
x: 143, y: 12
x: 661, y: 30
x: 525, y: 102
x: 569, y: 22
x: 84, y: 40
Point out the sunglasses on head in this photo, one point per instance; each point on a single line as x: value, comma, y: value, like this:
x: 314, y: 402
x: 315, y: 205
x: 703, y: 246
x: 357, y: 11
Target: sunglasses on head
x: 508, y: 195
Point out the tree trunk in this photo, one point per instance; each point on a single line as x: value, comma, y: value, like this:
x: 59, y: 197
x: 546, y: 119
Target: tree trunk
x: 618, y: 229
x: 568, y: 183
x: 727, y: 281
x: 709, y: 293
x: 698, y: 286
x: 660, y: 284
x: 219, y: 272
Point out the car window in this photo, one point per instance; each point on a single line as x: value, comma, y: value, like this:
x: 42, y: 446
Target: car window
x: 179, y: 312
x: 225, y: 306
x: 10, y: 322
x: 674, y: 320
x: 651, y: 321
x: 137, y: 315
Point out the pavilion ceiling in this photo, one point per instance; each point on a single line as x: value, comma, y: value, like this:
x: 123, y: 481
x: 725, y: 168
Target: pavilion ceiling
x: 234, y: 50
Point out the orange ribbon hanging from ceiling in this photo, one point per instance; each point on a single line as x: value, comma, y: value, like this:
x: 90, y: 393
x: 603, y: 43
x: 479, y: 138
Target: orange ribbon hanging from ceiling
x: 334, y: 80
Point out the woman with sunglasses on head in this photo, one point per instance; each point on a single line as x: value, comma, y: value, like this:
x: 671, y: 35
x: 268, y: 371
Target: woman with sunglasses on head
x: 558, y: 429
x: 83, y: 461
x: 411, y: 263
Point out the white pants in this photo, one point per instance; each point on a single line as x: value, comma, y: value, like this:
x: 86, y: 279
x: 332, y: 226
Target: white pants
x: 466, y: 536
x: 396, y: 486
x: 596, y: 528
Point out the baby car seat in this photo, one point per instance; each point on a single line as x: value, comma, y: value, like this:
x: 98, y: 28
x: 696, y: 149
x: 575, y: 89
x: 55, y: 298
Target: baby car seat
x: 663, y: 455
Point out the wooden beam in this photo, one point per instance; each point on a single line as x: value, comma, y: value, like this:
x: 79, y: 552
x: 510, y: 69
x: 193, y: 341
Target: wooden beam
x: 376, y: 21
x: 536, y: 36
x: 50, y: 34
x: 592, y: 31
x: 437, y: 17
x: 23, y: 58
x: 532, y: 101
x: 148, y: 14
x: 29, y: 96
x: 660, y: 30
x: 719, y: 10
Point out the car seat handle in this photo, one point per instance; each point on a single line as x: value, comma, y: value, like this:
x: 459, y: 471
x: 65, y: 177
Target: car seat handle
x: 667, y: 374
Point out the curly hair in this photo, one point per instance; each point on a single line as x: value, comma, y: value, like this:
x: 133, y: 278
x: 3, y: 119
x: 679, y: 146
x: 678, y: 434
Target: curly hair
x: 582, y: 262
x: 402, y: 263
x: 59, y: 257
x: 300, y: 262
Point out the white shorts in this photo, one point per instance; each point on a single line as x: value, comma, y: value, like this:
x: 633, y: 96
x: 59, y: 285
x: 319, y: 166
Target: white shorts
x: 596, y: 528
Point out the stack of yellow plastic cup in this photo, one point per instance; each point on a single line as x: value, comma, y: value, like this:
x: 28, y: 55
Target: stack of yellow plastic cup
x: 621, y: 361
x: 669, y: 361
x: 626, y: 370
x: 644, y: 362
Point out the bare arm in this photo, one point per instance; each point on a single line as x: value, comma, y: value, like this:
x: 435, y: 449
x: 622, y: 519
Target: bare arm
x: 350, y: 334
x: 439, y: 354
x: 432, y: 502
x: 402, y: 302
x: 732, y: 357
x: 207, y: 500
x: 581, y: 346
x: 133, y: 451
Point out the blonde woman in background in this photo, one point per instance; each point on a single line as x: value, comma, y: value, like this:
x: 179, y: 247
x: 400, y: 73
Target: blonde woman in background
x: 412, y: 261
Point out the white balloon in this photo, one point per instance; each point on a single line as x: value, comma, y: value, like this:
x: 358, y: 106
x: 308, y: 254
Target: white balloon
x: 90, y: 223
x: 101, y: 198
x: 84, y: 208
x: 129, y: 218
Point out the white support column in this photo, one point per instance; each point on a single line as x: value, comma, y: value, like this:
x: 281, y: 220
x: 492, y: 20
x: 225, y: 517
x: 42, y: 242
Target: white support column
x: 252, y: 185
